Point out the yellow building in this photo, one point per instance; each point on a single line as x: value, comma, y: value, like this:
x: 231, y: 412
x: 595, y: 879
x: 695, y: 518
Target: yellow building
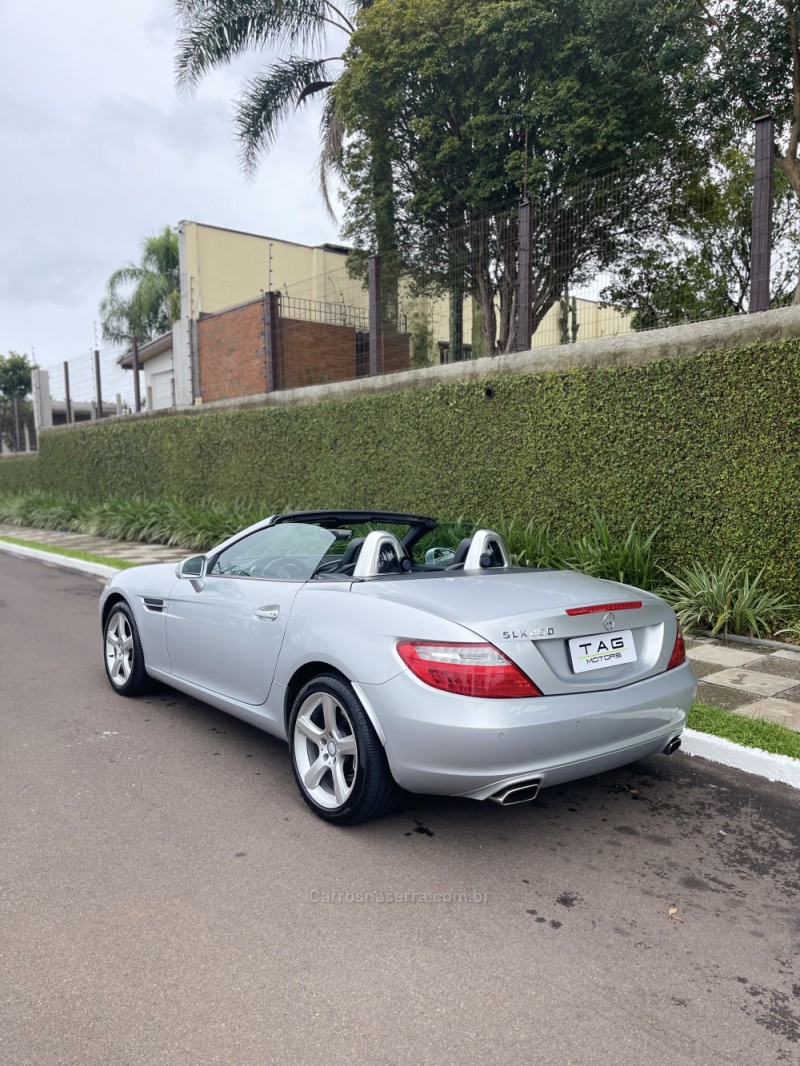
x: 222, y: 267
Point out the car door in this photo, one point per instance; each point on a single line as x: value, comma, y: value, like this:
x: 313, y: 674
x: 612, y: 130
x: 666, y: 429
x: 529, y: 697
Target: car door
x: 225, y: 629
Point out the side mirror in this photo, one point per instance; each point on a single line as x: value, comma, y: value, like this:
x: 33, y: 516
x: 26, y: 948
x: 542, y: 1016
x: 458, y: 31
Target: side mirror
x: 193, y: 567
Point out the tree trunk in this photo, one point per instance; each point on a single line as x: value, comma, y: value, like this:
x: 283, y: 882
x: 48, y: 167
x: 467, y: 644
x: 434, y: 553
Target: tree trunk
x: 456, y: 291
x: 791, y: 171
x: 385, y: 234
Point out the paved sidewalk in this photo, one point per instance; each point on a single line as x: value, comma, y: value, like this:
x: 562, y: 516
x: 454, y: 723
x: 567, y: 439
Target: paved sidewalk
x: 759, y: 682
x: 130, y: 551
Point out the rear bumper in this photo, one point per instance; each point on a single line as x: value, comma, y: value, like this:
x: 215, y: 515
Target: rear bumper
x: 458, y: 746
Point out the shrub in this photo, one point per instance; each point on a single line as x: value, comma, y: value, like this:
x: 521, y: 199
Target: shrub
x: 725, y: 600
x: 629, y: 559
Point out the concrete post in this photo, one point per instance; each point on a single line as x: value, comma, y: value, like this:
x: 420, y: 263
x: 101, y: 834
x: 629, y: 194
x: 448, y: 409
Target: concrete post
x: 42, y: 403
x: 272, y: 314
x: 98, y: 385
x: 137, y: 396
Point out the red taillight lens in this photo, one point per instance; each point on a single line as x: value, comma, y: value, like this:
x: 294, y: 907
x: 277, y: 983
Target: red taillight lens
x: 466, y: 669
x: 678, y: 652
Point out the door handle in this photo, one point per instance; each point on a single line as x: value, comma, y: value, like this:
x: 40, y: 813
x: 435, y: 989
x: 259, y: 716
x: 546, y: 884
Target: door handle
x: 270, y: 613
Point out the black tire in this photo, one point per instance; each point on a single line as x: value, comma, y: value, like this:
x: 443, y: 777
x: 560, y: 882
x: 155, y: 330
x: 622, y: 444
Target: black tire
x: 122, y: 653
x: 368, y: 789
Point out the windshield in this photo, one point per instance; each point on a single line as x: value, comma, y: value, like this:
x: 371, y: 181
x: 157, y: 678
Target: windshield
x: 290, y: 551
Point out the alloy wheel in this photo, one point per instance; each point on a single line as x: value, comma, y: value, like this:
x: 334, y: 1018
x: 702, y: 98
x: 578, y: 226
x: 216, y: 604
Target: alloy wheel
x: 325, y: 750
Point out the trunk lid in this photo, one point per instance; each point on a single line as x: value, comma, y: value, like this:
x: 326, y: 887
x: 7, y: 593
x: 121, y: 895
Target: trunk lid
x: 620, y: 634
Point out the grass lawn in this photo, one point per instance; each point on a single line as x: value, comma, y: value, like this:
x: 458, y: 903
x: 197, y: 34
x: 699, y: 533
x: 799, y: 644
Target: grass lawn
x: 750, y: 732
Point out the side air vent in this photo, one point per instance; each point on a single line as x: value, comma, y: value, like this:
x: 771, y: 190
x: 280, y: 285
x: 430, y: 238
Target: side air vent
x: 156, y: 606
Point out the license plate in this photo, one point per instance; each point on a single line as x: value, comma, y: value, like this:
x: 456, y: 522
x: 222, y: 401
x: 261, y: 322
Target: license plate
x: 600, y: 650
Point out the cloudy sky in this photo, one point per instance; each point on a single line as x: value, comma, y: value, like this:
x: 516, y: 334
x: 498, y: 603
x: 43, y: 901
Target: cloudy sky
x: 99, y: 151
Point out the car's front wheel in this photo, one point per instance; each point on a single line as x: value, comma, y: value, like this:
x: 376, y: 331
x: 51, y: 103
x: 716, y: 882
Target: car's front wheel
x: 124, y: 657
x: 338, y: 762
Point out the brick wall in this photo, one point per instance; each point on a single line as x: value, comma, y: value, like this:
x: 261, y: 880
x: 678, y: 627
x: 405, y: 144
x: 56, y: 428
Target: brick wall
x: 396, y: 351
x: 311, y: 353
x: 231, y: 356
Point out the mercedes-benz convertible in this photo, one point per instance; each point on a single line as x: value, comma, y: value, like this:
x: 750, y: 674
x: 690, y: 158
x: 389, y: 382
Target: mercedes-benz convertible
x: 392, y: 660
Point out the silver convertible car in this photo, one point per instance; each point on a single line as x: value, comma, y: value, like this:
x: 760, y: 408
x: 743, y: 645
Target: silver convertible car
x: 390, y: 660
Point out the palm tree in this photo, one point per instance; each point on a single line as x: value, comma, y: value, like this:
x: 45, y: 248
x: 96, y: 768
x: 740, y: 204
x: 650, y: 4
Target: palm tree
x: 143, y: 301
x: 213, y: 32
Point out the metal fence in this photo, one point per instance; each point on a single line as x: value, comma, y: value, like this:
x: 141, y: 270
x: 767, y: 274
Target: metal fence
x: 80, y: 389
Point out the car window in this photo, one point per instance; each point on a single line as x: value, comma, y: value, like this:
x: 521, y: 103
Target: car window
x: 290, y: 551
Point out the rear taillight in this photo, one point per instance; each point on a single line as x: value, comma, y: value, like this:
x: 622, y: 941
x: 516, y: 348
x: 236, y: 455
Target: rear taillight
x: 678, y: 651
x: 466, y: 669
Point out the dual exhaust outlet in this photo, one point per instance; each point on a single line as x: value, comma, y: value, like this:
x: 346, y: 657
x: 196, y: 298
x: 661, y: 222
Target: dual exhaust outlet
x: 526, y: 791
x: 519, y: 792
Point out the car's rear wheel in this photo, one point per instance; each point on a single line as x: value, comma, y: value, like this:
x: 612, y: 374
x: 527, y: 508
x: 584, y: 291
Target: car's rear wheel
x: 124, y: 657
x: 339, y: 763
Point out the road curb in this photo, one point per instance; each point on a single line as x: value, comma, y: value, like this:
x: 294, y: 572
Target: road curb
x: 81, y: 565
x: 750, y: 760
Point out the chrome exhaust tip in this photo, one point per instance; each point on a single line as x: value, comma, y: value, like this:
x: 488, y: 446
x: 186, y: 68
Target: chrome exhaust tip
x: 521, y: 792
x: 673, y: 746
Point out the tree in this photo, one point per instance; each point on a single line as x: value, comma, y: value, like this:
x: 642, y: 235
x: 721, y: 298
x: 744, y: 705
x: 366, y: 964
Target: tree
x: 213, y: 32
x: 476, y: 103
x: 694, y: 262
x: 143, y: 301
x: 15, y: 376
x: 748, y: 65
x: 15, y: 385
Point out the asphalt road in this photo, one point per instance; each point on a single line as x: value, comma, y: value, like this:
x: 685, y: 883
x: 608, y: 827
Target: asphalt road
x: 168, y: 899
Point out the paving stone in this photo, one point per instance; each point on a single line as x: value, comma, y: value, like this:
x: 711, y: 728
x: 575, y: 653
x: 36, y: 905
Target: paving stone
x: 778, y: 667
x: 784, y: 712
x: 792, y: 656
x: 703, y: 669
x: 749, y: 681
x: 729, y: 699
x: 694, y: 642
x: 722, y: 655
x: 789, y: 694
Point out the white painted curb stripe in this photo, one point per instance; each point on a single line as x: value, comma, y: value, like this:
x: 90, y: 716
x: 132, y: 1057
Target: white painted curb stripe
x: 97, y: 569
x: 751, y: 760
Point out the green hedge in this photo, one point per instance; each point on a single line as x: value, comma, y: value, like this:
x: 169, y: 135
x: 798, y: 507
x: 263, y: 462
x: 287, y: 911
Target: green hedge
x: 19, y: 473
x: 705, y: 447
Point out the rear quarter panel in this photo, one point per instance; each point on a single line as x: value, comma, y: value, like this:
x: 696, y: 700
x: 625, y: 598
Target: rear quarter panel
x: 356, y: 634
